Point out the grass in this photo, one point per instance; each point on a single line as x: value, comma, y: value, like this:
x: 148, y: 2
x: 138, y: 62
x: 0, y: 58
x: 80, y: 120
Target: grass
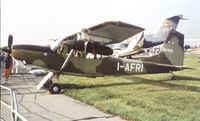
x: 142, y: 97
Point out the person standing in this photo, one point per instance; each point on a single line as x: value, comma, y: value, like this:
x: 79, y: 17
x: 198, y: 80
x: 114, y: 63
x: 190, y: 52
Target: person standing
x: 2, y: 58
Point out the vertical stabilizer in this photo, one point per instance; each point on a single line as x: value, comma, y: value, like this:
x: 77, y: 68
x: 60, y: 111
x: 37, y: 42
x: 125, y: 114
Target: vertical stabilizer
x: 161, y: 34
x: 172, y: 51
x: 170, y: 23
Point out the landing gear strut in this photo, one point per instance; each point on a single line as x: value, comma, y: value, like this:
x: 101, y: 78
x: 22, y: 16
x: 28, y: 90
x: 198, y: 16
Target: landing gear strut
x: 173, y: 76
x: 48, y: 83
x: 54, y: 88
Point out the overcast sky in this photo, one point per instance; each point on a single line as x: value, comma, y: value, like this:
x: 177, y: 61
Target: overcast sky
x: 38, y: 21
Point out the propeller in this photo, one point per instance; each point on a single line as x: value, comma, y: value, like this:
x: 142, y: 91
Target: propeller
x: 8, y: 60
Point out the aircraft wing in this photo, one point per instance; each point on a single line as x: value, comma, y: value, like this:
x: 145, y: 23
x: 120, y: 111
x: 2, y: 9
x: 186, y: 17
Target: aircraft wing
x: 107, y: 33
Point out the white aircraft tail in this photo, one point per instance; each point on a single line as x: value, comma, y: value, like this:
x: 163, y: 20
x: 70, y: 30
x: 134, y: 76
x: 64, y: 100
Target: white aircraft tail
x: 168, y: 24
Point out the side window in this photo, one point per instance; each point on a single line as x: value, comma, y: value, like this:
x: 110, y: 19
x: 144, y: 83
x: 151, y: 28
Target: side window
x: 79, y: 54
x: 93, y: 56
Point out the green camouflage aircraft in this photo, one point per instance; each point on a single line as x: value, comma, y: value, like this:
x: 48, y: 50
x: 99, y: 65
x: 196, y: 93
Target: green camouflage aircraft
x: 85, y: 54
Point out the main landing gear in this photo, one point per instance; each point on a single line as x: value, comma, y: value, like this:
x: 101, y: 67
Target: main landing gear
x: 54, y: 88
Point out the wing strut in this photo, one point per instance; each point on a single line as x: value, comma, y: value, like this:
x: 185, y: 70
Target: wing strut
x: 50, y: 75
x: 66, y: 60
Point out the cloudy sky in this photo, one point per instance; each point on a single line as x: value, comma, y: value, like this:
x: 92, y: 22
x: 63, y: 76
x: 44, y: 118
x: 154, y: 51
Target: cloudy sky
x: 38, y: 21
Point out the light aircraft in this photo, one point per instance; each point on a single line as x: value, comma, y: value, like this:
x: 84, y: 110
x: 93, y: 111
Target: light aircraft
x: 70, y: 55
x: 137, y: 44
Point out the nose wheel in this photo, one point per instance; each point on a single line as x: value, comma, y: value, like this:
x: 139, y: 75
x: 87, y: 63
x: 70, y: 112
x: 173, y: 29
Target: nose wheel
x: 54, y: 88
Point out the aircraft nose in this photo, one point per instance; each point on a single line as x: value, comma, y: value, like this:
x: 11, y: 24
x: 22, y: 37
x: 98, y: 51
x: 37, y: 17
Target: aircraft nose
x: 17, y: 53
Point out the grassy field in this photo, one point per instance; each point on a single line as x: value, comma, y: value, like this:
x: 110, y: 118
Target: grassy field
x: 142, y: 97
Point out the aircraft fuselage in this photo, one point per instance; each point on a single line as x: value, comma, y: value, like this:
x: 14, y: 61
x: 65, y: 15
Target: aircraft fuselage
x: 45, y: 58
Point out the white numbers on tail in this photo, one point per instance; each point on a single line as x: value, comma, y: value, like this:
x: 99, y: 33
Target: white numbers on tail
x: 169, y: 50
x: 130, y: 67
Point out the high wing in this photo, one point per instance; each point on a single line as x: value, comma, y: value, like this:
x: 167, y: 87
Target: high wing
x: 107, y: 32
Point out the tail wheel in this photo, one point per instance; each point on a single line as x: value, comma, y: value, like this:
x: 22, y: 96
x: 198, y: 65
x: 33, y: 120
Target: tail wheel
x: 54, y: 88
x: 173, y: 78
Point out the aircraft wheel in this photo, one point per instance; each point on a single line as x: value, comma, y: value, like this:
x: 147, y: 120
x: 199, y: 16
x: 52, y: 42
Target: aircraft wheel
x: 54, y: 88
x: 48, y: 83
x: 173, y: 78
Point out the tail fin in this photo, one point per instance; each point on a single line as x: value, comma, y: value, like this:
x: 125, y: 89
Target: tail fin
x: 170, y: 23
x: 172, y: 51
x: 162, y: 33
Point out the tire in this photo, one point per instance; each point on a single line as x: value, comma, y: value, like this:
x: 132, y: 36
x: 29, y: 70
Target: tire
x: 173, y: 78
x: 48, y: 83
x: 55, y: 88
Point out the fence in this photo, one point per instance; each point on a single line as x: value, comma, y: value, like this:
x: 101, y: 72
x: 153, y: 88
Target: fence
x: 12, y: 107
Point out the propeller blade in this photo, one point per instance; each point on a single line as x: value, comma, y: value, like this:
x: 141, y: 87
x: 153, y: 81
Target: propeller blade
x: 10, y: 41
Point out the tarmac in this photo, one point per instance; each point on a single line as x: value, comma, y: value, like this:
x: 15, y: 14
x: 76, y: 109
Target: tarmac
x: 38, y: 105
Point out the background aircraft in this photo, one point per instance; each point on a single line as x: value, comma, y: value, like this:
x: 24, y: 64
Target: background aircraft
x: 61, y: 58
x: 136, y: 44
